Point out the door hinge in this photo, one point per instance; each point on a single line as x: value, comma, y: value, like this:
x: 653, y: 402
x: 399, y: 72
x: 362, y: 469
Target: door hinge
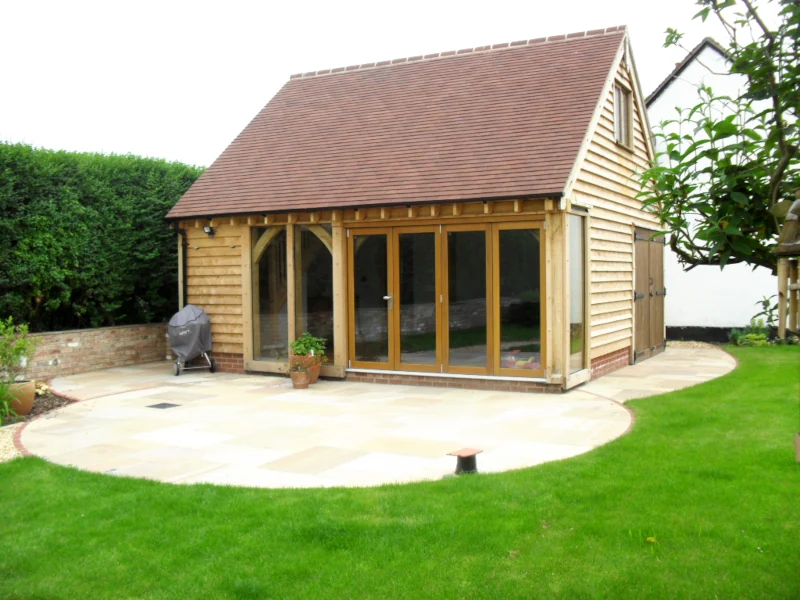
x: 544, y: 224
x: 661, y: 292
x: 441, y: 298
x: 349, y: 364
x: 348, y: 233
x: 637, y: 296
x: 441, y: 368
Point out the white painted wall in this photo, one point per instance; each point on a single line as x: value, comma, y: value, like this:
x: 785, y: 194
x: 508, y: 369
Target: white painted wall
x: 707, y: 296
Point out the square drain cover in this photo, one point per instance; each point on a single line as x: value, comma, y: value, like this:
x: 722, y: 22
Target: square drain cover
x: 163, y: 405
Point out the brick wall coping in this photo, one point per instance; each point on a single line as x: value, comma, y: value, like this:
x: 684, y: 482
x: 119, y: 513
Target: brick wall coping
x: 447, y: 375
x: 92, y: 329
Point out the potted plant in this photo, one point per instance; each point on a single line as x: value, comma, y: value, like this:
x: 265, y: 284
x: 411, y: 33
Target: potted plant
x: 16, y: 347
x: 299, y: 371
x: 309, y: 351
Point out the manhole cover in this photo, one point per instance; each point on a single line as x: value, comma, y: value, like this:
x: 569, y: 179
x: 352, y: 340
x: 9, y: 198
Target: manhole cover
x: 163, y: 405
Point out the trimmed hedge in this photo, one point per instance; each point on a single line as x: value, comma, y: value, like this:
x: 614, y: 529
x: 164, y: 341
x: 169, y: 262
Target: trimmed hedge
x: 83, y: 240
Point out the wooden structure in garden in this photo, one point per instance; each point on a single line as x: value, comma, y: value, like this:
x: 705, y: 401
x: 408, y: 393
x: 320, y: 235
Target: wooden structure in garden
x: 788, y: 251
x: 465, y: 219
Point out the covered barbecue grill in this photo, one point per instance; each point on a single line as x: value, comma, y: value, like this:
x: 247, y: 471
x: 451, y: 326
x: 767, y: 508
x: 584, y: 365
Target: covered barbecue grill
x: 189, y: 333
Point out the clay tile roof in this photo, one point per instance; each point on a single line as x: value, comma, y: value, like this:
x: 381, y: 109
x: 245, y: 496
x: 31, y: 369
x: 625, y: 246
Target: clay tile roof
x: 486, y: 123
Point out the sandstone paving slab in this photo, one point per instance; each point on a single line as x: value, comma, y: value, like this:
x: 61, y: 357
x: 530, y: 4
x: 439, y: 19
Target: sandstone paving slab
x: 256, y: 430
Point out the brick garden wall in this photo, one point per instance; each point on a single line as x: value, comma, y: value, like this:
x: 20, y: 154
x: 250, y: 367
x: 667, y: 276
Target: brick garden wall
x: 456, y: 382
x: 602, y: 365
x: 69, y: 352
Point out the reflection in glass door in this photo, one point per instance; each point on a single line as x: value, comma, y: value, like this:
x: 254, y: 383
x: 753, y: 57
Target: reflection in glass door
x: 417, y: 299
x: 370, y: 290
x: 518, y: 271
x: 467, y: 304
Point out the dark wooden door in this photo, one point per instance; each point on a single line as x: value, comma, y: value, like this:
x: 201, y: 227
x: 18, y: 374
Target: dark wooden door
x: 649, y: 292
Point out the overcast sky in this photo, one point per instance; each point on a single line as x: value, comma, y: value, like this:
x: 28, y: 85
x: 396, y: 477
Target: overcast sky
x: 179, y: 80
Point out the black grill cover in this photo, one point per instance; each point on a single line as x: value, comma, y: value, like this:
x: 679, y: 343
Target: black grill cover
x: 190, y: 333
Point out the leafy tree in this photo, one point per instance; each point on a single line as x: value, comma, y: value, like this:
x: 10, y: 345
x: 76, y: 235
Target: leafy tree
x: 731, y: 166
x: 83, y: 240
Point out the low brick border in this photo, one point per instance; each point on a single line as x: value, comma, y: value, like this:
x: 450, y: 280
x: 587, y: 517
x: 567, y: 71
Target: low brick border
x: 17, y: 439
x: 603, y: 365
x: 496, y: 385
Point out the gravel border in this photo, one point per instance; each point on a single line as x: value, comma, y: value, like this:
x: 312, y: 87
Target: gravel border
x: 7, y: 449
x: 682, y: 344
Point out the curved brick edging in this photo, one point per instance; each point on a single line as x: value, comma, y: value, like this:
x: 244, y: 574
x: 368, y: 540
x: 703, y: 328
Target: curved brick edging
x: 17, y: 439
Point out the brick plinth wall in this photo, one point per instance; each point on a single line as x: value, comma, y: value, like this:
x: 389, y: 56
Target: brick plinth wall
x: 225, y: 362
x: 456, y: 382
x: 81, y: 350
x: 602, y: 365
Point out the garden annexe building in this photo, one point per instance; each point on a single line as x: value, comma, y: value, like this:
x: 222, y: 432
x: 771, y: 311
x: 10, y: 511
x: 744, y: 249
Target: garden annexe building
x: 466, y: 219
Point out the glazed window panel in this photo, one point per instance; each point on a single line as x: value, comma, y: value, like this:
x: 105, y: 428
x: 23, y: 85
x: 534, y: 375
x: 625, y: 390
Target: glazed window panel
x: 467, y: 315
x: 520, y: 299
x: 418, y: 298
x: 622, y: 115
x: 370, y: 294
x: 577, y: 292
x: 270, y: 307
x: 314, y: 284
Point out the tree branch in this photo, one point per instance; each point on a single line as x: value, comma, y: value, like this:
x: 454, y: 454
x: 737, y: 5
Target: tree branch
x: 761, y: 24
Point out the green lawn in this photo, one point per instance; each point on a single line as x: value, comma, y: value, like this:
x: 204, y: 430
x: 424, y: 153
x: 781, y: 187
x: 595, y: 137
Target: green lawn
x: 708, y: 474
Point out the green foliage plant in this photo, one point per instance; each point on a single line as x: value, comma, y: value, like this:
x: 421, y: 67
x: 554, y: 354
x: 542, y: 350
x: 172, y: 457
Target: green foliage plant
x: 6, y: 412
x: 308, y: 345
x: 769, y: 311
x: 16, y: 347
x: 83, y: 239
x: 306, y: 352
x: 755, y: 339
x: 731, y: 163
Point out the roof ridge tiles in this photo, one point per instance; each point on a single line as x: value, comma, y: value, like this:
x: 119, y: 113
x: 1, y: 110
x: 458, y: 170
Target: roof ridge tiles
x: 478, y: 49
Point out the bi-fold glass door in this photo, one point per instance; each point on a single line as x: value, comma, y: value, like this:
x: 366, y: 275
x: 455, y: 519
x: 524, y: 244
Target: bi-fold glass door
x: 463, y: 299
x: 395, y: 306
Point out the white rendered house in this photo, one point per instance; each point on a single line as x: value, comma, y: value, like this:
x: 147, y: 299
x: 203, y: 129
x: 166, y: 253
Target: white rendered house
x: 706, y: 296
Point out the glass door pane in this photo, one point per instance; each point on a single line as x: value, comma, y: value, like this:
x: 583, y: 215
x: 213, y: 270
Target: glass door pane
x: 417, y: 299
x: 577, y: 291
x: 314, y: 284
x: 467, y: 322
x: 518, y: 263
x: 372, y: 300
x: 270, y: 310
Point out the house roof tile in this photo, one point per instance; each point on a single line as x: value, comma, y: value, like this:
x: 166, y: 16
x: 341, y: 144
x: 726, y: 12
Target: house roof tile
x: 490, y: 122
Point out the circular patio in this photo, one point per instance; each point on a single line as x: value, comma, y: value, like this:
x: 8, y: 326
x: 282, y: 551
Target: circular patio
x: 251, y: 430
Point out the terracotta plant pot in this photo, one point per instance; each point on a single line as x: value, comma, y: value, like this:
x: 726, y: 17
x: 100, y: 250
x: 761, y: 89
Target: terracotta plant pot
x: 313, y: 373
x: 300, y: 379
x: 22, y: 394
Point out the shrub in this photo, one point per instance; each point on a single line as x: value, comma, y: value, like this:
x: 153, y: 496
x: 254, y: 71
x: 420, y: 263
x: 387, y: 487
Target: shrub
x: 83, y: 240
x: 754, y: 339
x: 16, y: 347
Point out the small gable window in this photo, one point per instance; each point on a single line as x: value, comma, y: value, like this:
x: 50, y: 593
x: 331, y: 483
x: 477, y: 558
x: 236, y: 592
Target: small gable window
x: 622, y: 116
